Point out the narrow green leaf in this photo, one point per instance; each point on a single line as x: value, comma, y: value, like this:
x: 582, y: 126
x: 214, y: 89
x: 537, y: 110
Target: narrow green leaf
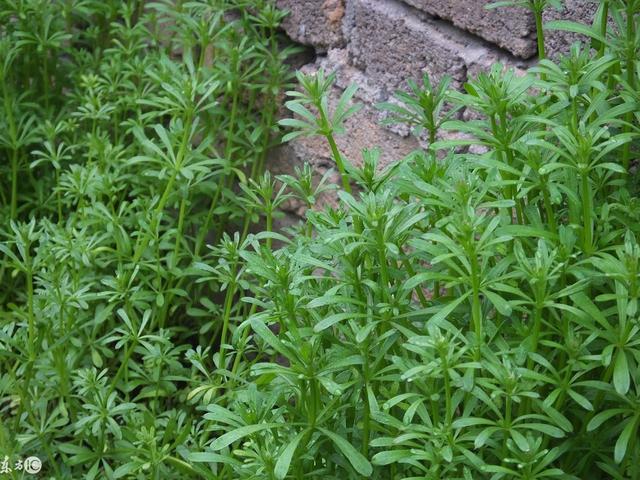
x: 333, y: 319
x: 211, y: 457
x: 520, y: 440
x: 447, y: 309
x: 620, y: 449
x: 621, y: 380
x: 267, y: 335
x: 357, y: 460
x: 500, y: 303
x: 575, y: 27
x: 284, y: 462
x: 471, y: 422
x: 235, y: 435
x: 390, y: 456
x: 602, y: 417
x: 580, y: 400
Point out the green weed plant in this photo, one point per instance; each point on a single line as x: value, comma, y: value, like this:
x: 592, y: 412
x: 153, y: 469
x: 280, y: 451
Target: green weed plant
x: 133, y: 142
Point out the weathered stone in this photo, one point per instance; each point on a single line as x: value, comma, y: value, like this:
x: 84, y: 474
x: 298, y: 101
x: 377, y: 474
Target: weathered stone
x: 511, y: 28
x: 557, y: 42
x: 484, y: 62
x: 390, y: 43
x: 314, y: 22
x: 337, y: 61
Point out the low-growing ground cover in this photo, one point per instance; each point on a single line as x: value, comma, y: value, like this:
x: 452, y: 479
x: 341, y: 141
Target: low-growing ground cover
x: 470, y: 312
x: 133, y: 135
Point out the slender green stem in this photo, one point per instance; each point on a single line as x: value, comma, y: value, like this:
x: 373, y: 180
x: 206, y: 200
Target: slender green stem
x: 550, y: 214
x: 447, y: 389
x: 155, y: 220
x: 13, y: 135
x: 124, y: 365
x: 586, y: 214
x: 231, y: 126
x: 476, y: 306
x: 240, y: 351
x: 507, y: 425
x: 14, y: 184
x: 339, y: 162
x: 156, y: 402
x: 204, y: 228
x: 58, y: 196
x: 631, y: 77
x: 505, y: 155
x: 540, y: 34
x: 269, y: 226
x: 535, y: 331
x: 45, y: 78
x: 366, y: 413
x: 226, y: 316
x: 384, y: 268
x: 519, y: 202
x: 258, y: 165
x: 314, y: 400
x: 335, y: 151
x: 604, y: 21
x: 175, y: 259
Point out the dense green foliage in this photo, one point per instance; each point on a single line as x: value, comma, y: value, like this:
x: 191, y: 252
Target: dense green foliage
x: 126, y: 129
x: 468, y: 312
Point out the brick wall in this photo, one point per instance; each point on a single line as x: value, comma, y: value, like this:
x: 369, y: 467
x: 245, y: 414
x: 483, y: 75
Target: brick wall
x: 378, y: 44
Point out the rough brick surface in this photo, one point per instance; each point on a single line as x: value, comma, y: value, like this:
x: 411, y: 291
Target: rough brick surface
x: 337, y: 61
x: 390, y: 43
x: 314, y: 22
x: 510, y: 28
x: 484, y: 62
x: 558, y: 42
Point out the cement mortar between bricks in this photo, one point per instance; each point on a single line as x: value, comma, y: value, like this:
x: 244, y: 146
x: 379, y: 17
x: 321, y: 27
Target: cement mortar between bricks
x: 314, y: 22
x: 511, y: 28
x: 390, y: 43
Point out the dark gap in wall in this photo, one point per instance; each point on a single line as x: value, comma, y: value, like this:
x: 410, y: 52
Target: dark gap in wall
x: 462, y: 35
x: 305, y: 54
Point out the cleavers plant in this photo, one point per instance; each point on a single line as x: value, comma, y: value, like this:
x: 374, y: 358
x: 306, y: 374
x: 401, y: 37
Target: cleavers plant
x: 471, y: 311
x: 133, y: 137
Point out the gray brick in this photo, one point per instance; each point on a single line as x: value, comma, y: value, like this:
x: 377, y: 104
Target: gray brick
x: 558, y: 42
x: 483, y: 63
x: 390, y: 43
x: 314, y: 22
x: 511, y: 28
